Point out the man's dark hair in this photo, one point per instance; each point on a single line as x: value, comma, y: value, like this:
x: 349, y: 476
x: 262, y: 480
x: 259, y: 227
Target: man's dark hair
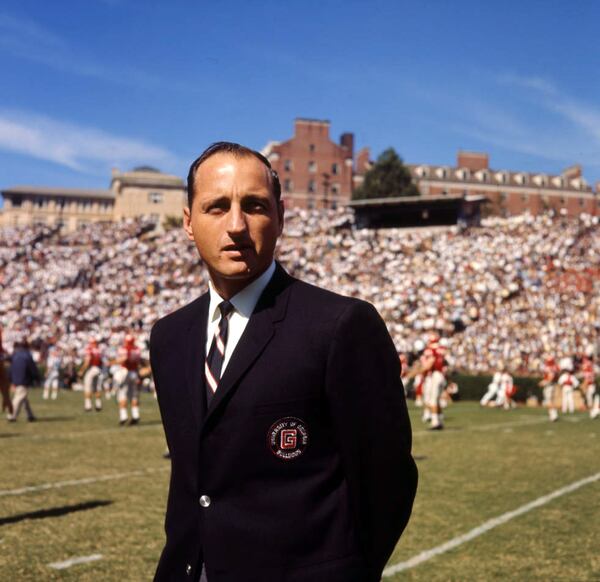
x: 236, y: 150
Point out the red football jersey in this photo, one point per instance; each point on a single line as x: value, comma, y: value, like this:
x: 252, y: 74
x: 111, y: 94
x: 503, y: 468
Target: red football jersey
x: 132, y: 356
x: 94, y: 354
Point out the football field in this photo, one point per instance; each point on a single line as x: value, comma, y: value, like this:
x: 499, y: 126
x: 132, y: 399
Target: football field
x: 502, y: 496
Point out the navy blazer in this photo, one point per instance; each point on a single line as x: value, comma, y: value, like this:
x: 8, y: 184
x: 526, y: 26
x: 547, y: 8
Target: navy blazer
x: 300, y: 470
x: 23, y: 371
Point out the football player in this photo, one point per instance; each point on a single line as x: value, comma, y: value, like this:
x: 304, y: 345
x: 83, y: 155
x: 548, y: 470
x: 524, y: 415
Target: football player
x: 91, y: 372
x: 53, y: 368
x: 548, y: 385
x: 127, y: 380
x: 568, y: 382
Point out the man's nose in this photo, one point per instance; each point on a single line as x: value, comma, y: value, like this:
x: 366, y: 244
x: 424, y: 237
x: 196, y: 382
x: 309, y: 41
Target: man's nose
x: 237, y: 220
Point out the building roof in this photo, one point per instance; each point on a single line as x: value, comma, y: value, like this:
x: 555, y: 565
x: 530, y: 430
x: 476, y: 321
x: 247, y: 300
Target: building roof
x: 148, y: 177
x: 146, y: 169
x: 309, y: 120
x: 403, y: 200
x: 59, y: 192
x: 499, y: 178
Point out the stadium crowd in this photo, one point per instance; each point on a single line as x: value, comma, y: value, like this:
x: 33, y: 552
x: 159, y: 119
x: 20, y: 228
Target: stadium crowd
x: 513, y: 290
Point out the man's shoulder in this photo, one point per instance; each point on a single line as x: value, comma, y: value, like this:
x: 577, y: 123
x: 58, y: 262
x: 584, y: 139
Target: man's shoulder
x: 178, y: 320
x: 318, y: 299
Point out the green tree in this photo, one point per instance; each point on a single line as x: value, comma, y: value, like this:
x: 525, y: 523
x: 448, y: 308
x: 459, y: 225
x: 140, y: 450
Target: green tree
x: 388, y: 178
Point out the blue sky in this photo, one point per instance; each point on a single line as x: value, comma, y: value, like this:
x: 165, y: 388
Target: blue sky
x: 90, y: 85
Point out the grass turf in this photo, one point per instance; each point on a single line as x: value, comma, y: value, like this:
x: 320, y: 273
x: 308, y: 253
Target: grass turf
x: 485, y: 463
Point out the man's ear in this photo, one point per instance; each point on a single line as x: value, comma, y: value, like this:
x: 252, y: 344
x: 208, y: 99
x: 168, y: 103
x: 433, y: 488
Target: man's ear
x: 280, y: 213
x: 187, y: 223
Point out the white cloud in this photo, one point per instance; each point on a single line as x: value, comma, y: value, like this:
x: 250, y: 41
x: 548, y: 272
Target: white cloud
x: 586, y: 117
x: 529, y: 82
x: 26, y: 39
x: 534, y: 116
x: 580, y: 115
x: 80, y: 148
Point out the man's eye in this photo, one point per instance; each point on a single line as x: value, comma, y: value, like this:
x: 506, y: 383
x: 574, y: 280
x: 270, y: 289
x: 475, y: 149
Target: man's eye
x: 255, y: 206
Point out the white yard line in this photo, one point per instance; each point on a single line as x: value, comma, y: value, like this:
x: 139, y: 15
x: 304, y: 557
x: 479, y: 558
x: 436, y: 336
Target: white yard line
x: 486, y: 427
x: 73, y: 561
x: 76, y: 482
x: 486, y: 526
x: 525, y: 421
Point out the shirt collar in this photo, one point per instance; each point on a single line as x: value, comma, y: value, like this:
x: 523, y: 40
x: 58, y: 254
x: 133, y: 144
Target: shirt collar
x: 245, y: 301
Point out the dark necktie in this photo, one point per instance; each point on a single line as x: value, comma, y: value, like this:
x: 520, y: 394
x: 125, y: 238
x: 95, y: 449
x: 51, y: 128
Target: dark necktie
x: 216, y: 353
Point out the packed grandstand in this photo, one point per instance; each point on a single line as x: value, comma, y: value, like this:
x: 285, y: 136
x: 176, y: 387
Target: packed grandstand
x: 513, y: 290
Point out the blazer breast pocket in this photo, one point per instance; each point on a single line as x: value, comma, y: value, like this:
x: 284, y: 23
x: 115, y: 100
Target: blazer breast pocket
x: 294, y: 407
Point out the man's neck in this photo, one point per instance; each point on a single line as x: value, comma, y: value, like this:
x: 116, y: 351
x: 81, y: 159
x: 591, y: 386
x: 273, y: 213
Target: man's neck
x: 228, y: 288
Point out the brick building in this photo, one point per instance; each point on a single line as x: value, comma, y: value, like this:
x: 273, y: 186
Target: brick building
x: 508, y: 192
x: 315, y: 171
x: 143, y: 191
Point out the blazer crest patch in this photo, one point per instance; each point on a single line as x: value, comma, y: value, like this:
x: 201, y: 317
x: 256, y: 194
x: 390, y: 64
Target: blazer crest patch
x: 288, y: 438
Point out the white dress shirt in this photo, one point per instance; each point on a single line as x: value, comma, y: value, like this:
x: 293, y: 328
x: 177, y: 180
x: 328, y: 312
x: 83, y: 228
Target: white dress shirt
x: 244, y: 303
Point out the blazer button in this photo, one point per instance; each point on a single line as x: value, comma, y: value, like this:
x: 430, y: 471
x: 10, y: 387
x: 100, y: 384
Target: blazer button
x: 188, y: 569
x: 205, y: 501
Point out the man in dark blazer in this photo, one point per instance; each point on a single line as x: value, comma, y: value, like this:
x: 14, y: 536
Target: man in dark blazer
x: 282, y: 405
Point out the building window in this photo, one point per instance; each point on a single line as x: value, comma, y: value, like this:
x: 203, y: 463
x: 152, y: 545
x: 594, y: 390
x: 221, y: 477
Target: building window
x: 581, y: 202
x: 335, y: 189
x: 155, y: 197
x: 288, y: 185
x: 16, y: 201
x: 524, y: 197
x: 562, y: 200
x: 335, y: 169
x: 287, y: 165
x: 312, y: 186
x: 444, y: 192
x: 312, y: 167
x: 311, y: 148
x: 334, y: 205
x: 311, y: 203
x: 503, y: 196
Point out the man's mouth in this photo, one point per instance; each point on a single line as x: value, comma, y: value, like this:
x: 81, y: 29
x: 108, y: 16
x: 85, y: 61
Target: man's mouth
x: 237, y: 248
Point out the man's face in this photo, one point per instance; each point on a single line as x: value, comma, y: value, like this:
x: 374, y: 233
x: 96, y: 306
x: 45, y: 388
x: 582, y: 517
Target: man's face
x: 234, y: 220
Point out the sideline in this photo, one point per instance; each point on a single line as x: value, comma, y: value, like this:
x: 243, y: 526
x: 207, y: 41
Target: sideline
x: 73, y: 561
x: 86, y: 481
x: 486, y: 526
x: 76, y: 434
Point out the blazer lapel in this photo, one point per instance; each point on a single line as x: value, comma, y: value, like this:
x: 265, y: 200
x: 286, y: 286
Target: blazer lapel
x: 259, y: 331
x: 195, y: 344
